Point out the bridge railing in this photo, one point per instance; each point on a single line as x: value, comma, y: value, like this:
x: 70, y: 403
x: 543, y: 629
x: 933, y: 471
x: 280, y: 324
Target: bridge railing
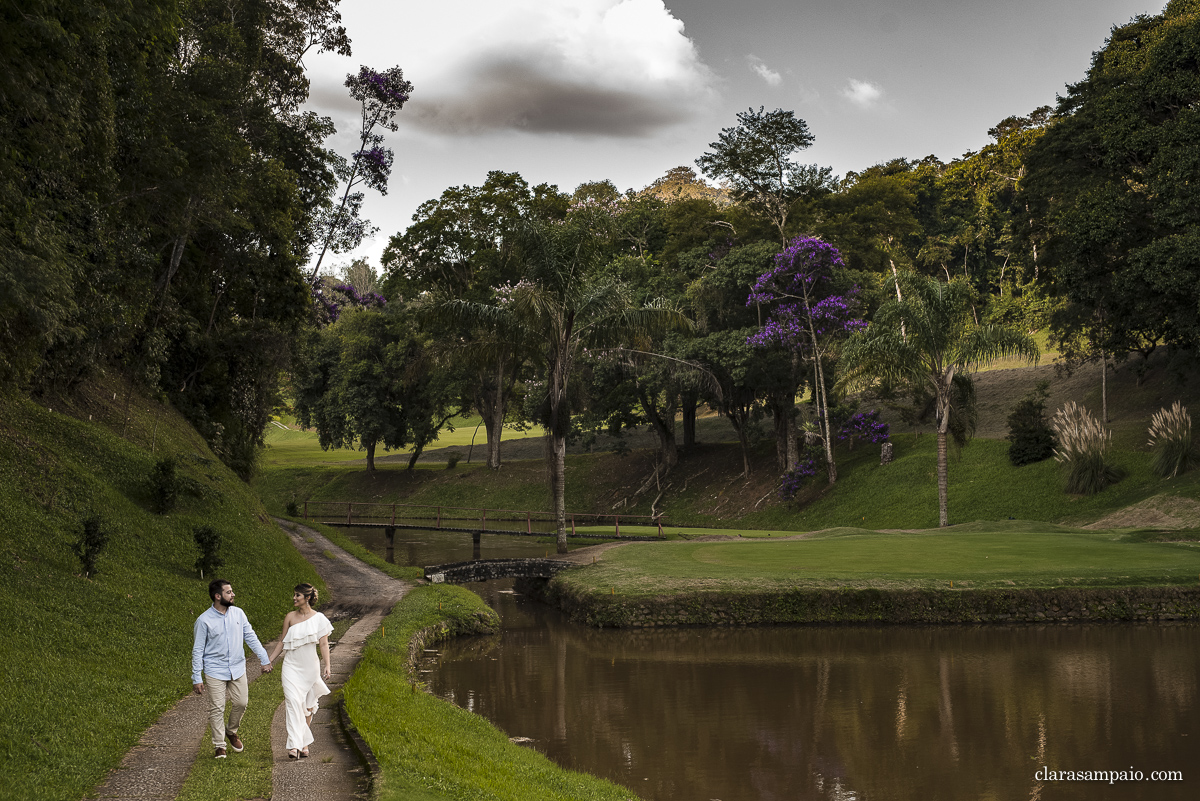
x: 360, y: 513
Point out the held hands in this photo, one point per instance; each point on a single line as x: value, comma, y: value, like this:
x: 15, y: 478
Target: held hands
x: 325, y: 672
x: 267, y: 668
x: 198, y: 689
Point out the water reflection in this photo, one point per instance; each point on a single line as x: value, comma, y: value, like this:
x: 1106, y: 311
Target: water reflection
x: 838, y: 713
x: 827, y: 713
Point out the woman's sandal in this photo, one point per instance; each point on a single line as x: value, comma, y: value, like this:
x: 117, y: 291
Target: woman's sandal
x: 292, y: 753
x: 304, y: 753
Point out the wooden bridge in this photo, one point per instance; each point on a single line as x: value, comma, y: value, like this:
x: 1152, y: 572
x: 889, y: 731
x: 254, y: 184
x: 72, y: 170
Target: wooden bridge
x: 488, y: 569
x: 476, y: 521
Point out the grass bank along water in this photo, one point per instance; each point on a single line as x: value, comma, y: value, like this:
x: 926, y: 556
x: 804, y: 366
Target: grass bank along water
x: 995, y: 572
x: 91, y: 661
x: 428, y: 748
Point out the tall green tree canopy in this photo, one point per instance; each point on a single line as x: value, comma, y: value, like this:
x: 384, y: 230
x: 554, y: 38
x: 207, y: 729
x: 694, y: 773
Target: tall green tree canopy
x: 369, y: 380
x: 1117, y: 178
x: 562, y: 305
x: 159, y: 182
x: 461, y: 246
x: 755, y: 157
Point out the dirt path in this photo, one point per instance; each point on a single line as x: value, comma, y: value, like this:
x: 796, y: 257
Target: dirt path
x: 334, y: 771
x: 156, y: 768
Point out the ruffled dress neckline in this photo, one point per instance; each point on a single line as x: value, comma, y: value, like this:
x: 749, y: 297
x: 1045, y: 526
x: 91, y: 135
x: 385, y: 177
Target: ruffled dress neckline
x: 307, y: 631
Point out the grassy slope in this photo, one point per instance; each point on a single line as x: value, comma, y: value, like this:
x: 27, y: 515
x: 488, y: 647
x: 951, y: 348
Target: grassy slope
x: 89, y: 663
x: 707, y: 490
x: 430, y: 749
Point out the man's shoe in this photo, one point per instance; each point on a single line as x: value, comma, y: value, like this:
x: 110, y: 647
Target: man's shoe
x: 234, y: 742
x: 220, y: 753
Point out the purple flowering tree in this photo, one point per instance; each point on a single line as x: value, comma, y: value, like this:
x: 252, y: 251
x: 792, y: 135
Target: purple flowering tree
x: 332, y: 298
x: 381, y: 95
x: 806, y: 316
x: 865, y: 427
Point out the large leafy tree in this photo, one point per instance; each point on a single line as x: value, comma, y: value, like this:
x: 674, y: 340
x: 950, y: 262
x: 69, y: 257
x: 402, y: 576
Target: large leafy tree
x: 72, y: 260
x: 369, y: 380
x: 871, y: 219
x: 1117, y: 179
x: 755, y: 157
x: 561, y: 306
x: 158, y: 178
x: 748, y: 377
x: 929, y: 339
x: 742, y: 377
x: 228, y: 173
x: 461, y: 246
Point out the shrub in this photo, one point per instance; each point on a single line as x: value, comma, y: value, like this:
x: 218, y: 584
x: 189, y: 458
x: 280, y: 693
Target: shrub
x: 292, y: 509
x: 1031, y: 437
x: 791, y: 481
x: 164, y: 485
x: 452, y: 459
x: 92, y: 539
x: 1171, y: 441
x: 1083, y: 446
x: 208, y: 540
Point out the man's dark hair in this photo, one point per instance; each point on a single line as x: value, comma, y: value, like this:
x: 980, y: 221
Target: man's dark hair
x: 215, y: 588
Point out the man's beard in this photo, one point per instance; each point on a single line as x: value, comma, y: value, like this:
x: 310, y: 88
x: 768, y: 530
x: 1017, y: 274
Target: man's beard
x: 224, y: 603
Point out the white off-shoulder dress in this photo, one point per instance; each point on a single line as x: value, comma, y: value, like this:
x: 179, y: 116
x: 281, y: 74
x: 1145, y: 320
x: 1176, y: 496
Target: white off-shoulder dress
x: 302, y: 684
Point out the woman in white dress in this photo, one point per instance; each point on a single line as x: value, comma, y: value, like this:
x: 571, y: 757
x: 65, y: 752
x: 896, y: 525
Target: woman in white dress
x: 305, y: 630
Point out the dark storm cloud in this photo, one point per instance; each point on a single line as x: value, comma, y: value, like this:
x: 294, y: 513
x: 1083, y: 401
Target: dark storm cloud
x: 526, y: 95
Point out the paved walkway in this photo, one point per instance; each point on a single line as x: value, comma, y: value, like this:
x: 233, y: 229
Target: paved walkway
x: 155, y: 769
x: 334, y: 771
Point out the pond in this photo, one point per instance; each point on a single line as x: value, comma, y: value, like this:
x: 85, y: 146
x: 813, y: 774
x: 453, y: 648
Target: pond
x: 838, y: 712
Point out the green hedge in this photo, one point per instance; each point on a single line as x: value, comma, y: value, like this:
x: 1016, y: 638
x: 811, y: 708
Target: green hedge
x: 872, y: 606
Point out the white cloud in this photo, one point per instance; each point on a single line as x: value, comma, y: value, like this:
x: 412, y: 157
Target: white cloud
x: 621, y: 68
x: 761, y: 69
x: 862, y: 93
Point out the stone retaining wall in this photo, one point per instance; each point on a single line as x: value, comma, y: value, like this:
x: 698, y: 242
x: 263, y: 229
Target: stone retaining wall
x: 871, y: 606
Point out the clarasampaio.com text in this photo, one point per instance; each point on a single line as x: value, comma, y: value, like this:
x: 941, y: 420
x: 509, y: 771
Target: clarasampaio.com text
x: 1111, y: 776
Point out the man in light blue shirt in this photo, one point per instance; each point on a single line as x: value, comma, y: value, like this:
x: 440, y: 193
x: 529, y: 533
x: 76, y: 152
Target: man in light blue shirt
x: 219, y: 652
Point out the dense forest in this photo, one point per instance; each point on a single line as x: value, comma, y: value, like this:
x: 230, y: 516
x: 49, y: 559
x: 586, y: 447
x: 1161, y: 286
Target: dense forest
x: 169, y: 211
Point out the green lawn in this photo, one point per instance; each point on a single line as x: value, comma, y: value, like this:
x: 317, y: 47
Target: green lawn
x: 1025, y: 555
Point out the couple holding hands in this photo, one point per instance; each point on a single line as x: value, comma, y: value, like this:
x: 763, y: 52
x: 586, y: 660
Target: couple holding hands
x: 218, y: 653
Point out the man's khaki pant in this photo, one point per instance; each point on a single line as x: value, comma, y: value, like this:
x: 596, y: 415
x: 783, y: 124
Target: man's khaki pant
x: 218, y: 690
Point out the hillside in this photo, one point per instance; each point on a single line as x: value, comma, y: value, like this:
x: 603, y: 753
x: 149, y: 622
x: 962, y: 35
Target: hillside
x: 91, y: 661
x: 707, y: 488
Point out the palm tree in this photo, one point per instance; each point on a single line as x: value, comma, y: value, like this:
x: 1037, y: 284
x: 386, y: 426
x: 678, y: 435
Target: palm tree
x: 561, y: 307
x: 928, y: 338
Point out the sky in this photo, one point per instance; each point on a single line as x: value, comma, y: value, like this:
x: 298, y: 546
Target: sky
x: 568, y: 91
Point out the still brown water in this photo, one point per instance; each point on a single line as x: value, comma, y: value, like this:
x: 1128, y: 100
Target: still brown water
x: 958, y: 712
